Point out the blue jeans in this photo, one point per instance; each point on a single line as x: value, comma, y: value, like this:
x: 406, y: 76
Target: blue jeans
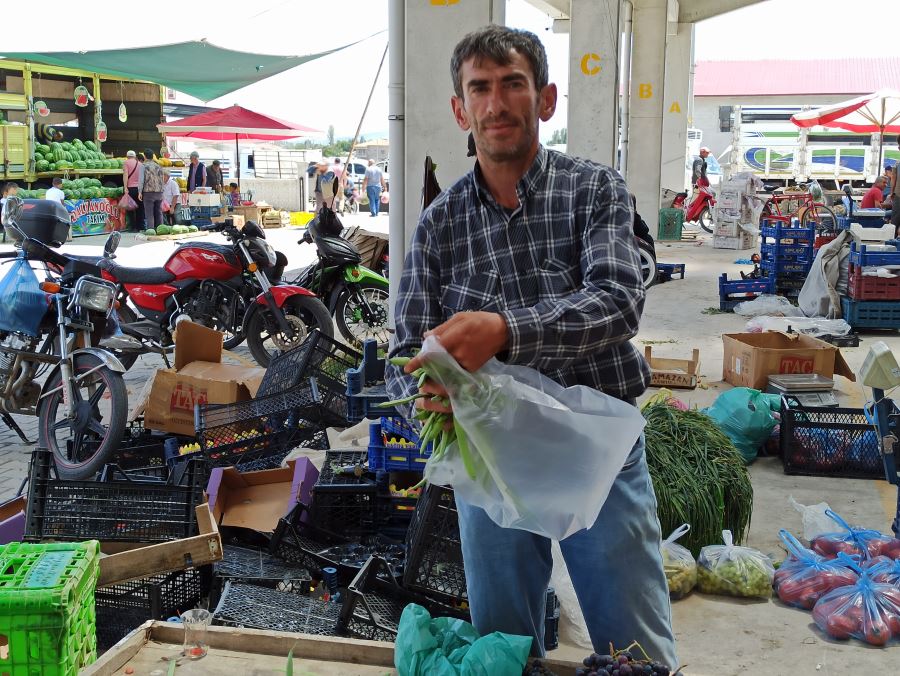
x: 374, y: 194
x: 615, y: 566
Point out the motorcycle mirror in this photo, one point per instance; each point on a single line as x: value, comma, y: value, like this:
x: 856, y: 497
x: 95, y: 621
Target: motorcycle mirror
x: 12, y: 210
x: 112, y: 243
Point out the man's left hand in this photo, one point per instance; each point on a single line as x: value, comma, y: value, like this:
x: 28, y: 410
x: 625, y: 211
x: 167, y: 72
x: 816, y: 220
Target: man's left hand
x: 471, y: 337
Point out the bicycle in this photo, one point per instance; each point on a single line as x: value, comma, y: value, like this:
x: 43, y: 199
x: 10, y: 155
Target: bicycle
x: 807, y: 210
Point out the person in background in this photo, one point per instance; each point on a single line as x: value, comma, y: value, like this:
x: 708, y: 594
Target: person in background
x: 9, y: 190
x: 55, y: 193
x: 321, y: 169
x: 338, y: 169
x: 132, y: 178
x: 45, y: 133
x: 874, y: 197
x: 571, y: 320
x: 894, y: 197
x: 373, y: 184
x: 214, y: 176
x: 196, y: 173
x: 698, y: 170
x: 171, y: 196
x: 152, y: 191
x: 234, y: 195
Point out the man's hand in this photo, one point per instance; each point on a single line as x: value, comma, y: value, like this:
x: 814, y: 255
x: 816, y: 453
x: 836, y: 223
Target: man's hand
x: 472, y: 338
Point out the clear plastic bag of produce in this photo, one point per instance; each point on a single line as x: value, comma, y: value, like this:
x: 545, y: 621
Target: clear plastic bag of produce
x: 815, y: 521
x: 543, y: 456
x: 885, y: 571
x: 734, y: 571
x: 679, y: 564
x: 852, y: 540
x: 805, y: 576
x: 444, y: 646
x: 867, y: 610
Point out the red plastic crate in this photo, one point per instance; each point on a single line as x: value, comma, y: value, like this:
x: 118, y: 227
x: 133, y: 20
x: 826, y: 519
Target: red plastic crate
x: 864, y: 287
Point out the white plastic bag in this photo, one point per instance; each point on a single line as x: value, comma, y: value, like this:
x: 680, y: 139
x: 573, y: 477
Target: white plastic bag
x: 815, y: 520
x: 572, y: 627
x: 545, y: 456
x: 767, y: 304
x: 810, y: 326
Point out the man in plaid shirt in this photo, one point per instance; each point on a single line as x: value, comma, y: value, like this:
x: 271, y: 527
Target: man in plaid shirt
x: 531, y: 258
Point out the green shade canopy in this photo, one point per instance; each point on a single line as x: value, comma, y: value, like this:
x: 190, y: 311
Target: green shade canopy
x: 196, y: 68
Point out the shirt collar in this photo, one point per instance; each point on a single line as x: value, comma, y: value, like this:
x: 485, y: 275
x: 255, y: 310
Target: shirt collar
x: 526, y: 184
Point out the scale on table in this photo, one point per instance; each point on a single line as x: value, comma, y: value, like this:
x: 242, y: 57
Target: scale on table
x: 808, y: 389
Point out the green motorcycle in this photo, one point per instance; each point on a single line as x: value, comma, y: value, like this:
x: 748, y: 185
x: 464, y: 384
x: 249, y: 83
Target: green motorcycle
x: 356, y: 296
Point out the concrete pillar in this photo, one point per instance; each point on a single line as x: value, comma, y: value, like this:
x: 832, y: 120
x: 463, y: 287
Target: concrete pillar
x: 647, y: 93
x: 676, y: 106
x: 432, y: 31
x: 593, y: 83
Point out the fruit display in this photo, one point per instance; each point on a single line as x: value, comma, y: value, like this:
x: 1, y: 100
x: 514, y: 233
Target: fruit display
x: 867, y: 610
x: 679, y: 564
x: 622, y: 663
x: 72, y: 156
x: 182, y: 184
x: 537, y: 668
x: 734, y: 571
x: 78, y: 189
x: 804, y: 576
x: 855, y: 541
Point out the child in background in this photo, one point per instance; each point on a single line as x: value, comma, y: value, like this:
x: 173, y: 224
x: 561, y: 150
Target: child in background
x: 234, y: 196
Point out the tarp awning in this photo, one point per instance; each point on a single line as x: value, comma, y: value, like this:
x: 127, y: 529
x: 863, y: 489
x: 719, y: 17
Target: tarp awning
x: 195, y: 68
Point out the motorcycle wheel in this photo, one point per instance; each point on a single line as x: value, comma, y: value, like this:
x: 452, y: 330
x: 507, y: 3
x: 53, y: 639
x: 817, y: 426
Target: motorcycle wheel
x: 303, y: 313
x: 351, y: 314
x: 706, y: 220
x: 648, y: 262
x: 82, y: 446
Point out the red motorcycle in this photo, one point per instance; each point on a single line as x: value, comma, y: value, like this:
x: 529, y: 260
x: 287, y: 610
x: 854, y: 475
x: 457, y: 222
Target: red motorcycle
x: 223, y: 286
x: 699, y: 209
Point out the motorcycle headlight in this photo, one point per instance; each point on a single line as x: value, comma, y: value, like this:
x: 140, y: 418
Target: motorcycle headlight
x: 93, y: 296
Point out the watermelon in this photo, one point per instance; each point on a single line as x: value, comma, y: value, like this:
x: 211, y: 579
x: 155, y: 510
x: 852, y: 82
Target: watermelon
x: 52, y: 167
x: 77, y: 143
x: 66, y: 145
x: 42, y: 165
x: 193, y: 228
x: 163, y: 230
x: 90, y: 145
x: 150, y: 232
x: 43, y: 149
x: 121, y: 163
x: 93, y: 182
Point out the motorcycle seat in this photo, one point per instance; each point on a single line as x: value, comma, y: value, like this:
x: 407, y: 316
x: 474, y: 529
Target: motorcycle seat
x: 136, y: 275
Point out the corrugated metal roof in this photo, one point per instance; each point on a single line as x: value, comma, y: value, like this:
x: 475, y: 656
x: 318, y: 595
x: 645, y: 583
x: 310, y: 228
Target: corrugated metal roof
x: 845, y: 77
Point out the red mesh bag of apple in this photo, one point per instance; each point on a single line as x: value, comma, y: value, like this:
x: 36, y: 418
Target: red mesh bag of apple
x: 866, y: 610
x: 805, y: 576
x: 853, y: 540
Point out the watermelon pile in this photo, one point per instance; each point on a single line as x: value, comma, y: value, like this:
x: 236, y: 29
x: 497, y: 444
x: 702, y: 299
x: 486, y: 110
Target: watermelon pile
x: 174, y: 230
x: 79, y: 189
x: 75, y: 155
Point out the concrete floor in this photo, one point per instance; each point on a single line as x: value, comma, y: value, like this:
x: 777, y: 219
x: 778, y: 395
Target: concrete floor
x: 717, y: 636
x: 720, y: 636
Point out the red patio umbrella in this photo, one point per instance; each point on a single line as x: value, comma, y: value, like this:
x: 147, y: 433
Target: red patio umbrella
x: 236, y: 123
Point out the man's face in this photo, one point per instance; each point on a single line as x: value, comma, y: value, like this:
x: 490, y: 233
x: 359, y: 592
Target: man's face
x: 195, y: 161
x: 501, y: 106
x: 704, y: 153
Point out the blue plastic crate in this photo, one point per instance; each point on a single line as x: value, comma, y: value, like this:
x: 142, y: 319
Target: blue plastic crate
x: 779, y: 251
x: 782, y: 232
x: 843, y: 223
x: 399, y: 427
x: 667, y: 271
x: 860, y: 256
x: 791, y: 267
x: 208, y: 212
x: 732, y: 292
x: 871, y: 314
x: 396, y: 456
x: 366, y: 388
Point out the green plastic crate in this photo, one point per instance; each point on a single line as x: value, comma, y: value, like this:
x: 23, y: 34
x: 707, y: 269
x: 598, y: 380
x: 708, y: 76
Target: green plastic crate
x: 47, y: 608
x: 670, y: 223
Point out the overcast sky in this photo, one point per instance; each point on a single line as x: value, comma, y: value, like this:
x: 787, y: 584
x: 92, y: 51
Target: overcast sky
x: 333, y: 90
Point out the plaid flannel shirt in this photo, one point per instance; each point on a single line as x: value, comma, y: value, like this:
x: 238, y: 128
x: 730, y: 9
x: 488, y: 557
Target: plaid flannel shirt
x: 563, y: 270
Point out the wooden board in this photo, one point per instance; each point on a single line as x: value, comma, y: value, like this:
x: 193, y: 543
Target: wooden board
x: 160, y: 238
x: 252, y: 652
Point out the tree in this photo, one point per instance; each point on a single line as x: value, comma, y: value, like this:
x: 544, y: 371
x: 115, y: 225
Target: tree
x: 558, y: 137
x: 362, y: 139
x: 331, y: 134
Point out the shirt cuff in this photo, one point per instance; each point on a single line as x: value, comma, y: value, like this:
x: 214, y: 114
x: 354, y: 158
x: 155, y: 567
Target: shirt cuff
x: 525, y: 333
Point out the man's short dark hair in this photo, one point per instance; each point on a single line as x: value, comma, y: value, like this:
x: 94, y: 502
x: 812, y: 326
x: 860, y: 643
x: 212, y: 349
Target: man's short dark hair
x: 216, y: 162
x: 495, y: 43
x: 57, y: 181
x: 149, y: 154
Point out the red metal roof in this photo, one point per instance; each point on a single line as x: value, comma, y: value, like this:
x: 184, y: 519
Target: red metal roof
x: 790, y: 78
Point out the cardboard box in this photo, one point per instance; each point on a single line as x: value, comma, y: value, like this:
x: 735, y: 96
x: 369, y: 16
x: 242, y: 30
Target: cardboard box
x: 728, y: 199
x: 727, y: 227
x: 198, y: 377
x: 198, y: 199
x: 257, y: 500
x: 680, y: 373
x: 743, y: 241
x: 751, y: 357
x: 12, y: 520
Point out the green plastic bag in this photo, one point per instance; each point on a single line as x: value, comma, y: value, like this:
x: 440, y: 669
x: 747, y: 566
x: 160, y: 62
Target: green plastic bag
x: 745, y: 415
x: 445, y: 646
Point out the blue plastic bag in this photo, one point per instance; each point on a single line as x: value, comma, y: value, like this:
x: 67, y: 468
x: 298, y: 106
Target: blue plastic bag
x: 445, y: 646
x: 22, y: 303
x: 745, y: 416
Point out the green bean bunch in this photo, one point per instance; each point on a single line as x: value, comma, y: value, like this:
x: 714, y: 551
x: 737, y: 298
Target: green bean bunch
x: 442, y: 430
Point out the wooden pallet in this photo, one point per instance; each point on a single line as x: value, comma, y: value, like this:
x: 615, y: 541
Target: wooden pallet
x: 187, y: 235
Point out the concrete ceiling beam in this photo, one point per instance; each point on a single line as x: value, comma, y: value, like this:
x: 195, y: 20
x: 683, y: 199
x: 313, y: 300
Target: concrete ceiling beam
x: 556, y: 9
x: 692, y: 11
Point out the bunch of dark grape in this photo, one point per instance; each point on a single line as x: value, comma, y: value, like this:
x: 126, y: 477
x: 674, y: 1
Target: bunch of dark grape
x: 621, y: 664
x: 537, y: 668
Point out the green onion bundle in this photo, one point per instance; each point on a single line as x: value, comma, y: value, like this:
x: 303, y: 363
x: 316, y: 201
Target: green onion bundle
x: 698, y: 475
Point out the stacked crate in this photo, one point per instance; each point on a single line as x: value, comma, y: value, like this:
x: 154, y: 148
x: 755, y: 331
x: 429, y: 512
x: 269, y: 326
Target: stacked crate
x: 787, y: 255
x: 872, y: 302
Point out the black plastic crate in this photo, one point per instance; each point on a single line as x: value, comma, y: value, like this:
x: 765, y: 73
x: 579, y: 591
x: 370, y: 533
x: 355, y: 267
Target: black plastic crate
x: 123, y: 607
x: 247, y: 431
x: 374, y: 602
x: 344, y: 499
x: 114, y: 510
x: 551, y: 621
x: 247, y: 605
x: 823, y: 441
x: 353, y: 464
x: 140, y: 448
x: 302, y: 544
x: 259, y: 567
x: 434, y: 561
x: 319, y: 357
x: 317, y: 440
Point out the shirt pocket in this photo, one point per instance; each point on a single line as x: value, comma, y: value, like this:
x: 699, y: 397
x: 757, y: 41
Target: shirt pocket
x: 478, y: 292
x: 558, y: 278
